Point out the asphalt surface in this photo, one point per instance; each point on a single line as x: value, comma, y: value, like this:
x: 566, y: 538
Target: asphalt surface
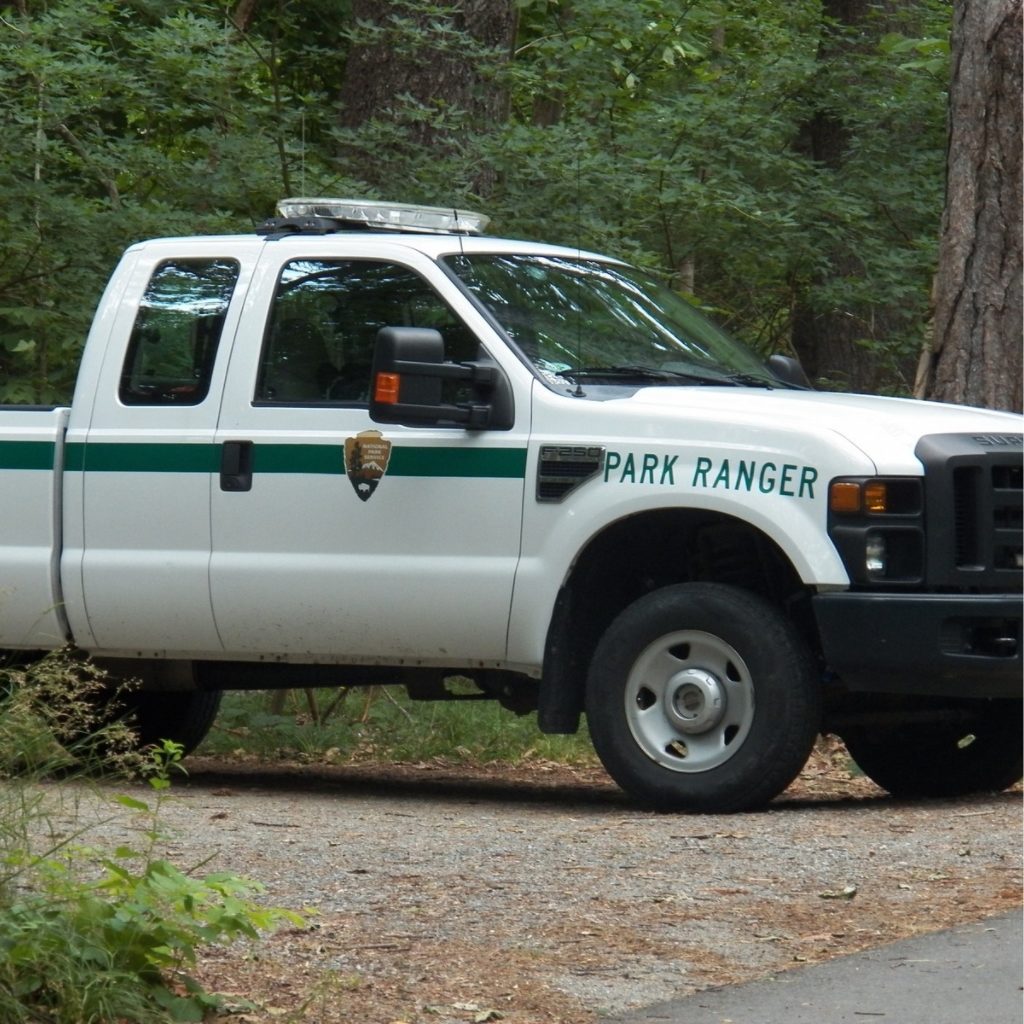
x: 967, y: 975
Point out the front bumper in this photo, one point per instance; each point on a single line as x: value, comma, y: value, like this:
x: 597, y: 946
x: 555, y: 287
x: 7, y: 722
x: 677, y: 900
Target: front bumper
x: 940, y: 645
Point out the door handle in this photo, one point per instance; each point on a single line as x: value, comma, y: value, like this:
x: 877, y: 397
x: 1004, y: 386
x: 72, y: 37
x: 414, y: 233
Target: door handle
x: 236, y: 466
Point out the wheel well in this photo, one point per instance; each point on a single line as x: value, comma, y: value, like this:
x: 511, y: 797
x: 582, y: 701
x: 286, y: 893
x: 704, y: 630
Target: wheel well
x: 637, y: 555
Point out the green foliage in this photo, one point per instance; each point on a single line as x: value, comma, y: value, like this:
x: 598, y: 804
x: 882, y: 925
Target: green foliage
x: 87, y: 935
x: 55, y: 712
x: 381, y: 725
x: 121, y: 122
x: 696, y: 156
x: 666, y: 131
x: 118, y: 947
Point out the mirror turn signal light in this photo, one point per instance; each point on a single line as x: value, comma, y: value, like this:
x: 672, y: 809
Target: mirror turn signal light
x: 385, y: 389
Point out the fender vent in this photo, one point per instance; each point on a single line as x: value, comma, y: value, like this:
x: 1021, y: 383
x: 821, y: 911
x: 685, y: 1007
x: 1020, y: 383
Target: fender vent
x: 562, y: 468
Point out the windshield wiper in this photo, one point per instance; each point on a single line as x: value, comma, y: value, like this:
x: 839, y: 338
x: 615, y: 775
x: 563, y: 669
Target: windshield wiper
x: 625, y: 371
x: 629, y: 371
x: 752, y: 380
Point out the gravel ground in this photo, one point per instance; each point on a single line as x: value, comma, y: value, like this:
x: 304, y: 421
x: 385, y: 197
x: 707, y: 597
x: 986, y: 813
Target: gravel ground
x: 537, y: 895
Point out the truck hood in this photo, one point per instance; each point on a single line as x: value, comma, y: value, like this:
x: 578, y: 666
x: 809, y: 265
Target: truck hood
x: 886, y: 430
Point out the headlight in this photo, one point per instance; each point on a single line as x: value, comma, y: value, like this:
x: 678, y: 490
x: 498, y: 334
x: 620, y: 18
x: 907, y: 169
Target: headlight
x: 874, y: 553
x: 877, y: 526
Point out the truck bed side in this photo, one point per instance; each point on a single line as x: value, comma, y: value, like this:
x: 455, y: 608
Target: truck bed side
x: 31, y: 464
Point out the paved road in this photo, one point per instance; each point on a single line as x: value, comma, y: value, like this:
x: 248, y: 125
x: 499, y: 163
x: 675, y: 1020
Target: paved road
x: 968, y: 975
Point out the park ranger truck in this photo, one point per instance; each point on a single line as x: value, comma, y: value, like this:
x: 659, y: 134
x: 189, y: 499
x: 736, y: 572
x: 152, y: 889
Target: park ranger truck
x: 368, y: 444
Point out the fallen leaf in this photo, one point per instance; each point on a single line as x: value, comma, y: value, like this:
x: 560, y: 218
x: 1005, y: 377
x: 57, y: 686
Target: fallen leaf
x: 846, y: 893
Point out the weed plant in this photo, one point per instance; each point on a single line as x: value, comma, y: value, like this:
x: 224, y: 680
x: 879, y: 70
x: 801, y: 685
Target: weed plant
x: 382, y: 724
x: 89, y: 936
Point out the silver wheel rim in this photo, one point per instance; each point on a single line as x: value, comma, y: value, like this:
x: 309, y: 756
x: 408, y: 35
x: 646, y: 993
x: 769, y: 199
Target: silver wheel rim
x: 689, y: 701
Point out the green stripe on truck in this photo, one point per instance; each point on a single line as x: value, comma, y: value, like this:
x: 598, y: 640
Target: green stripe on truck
x: 315, y: 459
x: 26, y: 455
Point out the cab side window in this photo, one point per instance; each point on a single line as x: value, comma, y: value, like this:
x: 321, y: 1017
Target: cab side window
x: 177, y: 330
x: 318, y: 345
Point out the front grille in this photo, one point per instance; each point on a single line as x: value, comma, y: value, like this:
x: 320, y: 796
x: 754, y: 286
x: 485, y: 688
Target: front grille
x: 965, y: 517
x: 973, y: 487
x: 1007, y: 517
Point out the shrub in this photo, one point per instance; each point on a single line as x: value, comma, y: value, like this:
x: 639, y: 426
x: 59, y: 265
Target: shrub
x: 88, y: 936
x: 59, y: 710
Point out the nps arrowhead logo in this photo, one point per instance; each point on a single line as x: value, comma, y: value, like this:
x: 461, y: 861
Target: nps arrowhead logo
x: 366, y: 461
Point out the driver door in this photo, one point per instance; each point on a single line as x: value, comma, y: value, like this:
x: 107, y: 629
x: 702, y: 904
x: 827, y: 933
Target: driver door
x: 334, y: 539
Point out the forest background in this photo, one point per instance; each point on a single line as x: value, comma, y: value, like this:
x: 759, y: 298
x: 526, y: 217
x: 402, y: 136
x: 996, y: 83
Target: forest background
x: 783, y: 162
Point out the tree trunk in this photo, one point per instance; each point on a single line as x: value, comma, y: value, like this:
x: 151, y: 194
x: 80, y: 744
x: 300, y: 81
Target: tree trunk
x: 826, y: 340
x: 241, y: 17
x: 416, y: 61
x: 975, y: 358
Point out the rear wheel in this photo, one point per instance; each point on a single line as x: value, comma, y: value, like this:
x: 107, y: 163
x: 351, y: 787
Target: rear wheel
x: 978, y: 753
x: 159, y: 700
x: 703, y: 697
x: 183, y: 717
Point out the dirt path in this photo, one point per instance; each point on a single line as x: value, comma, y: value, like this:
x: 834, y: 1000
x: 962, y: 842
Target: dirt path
x: 449, y: 894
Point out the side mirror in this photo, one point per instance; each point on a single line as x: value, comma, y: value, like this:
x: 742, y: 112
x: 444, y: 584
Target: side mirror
x: 407, y: 384
x: 789, y: 371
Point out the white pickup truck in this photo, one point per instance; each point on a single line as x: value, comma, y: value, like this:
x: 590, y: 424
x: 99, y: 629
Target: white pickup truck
x: 368, y: 444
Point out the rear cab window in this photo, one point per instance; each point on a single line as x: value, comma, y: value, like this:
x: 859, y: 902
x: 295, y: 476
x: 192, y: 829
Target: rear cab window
x: 177, y: 331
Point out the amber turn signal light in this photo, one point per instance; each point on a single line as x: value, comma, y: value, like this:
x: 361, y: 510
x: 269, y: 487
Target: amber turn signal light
x: 844, y: 496
x: 385, y: 389
x: 876, y: 496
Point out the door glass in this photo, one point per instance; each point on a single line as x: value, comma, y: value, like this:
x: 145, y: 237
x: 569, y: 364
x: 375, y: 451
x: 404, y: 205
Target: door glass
x: 176, y: 333
x: 323, y: 324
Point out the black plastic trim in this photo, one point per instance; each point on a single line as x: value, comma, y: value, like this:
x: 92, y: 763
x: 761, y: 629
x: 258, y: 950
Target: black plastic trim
x: 962, y: 645
x: 563, y: 468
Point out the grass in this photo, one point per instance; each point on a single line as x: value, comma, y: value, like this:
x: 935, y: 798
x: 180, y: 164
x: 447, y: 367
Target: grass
x: 382, y: 724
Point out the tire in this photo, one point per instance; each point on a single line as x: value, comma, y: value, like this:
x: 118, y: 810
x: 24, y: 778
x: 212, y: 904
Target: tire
x: 703, y: 697
x: 943, y: 759
x: 184, y: 717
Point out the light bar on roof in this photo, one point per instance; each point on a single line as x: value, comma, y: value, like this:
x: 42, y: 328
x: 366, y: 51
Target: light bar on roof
x: 389, y: 216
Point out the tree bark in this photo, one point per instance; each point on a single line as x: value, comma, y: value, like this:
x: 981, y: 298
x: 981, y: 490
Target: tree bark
x: 975, y: 358
x: 438, y: 74
x: 241, y: 17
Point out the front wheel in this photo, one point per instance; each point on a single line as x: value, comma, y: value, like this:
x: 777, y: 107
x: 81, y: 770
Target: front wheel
x: 703, y: 697
x: 976, y: 754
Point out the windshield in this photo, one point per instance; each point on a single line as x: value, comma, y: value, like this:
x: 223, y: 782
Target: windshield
x: 584, y: 320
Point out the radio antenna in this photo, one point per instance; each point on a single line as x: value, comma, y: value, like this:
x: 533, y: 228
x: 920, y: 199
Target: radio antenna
x: 459, y: 232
